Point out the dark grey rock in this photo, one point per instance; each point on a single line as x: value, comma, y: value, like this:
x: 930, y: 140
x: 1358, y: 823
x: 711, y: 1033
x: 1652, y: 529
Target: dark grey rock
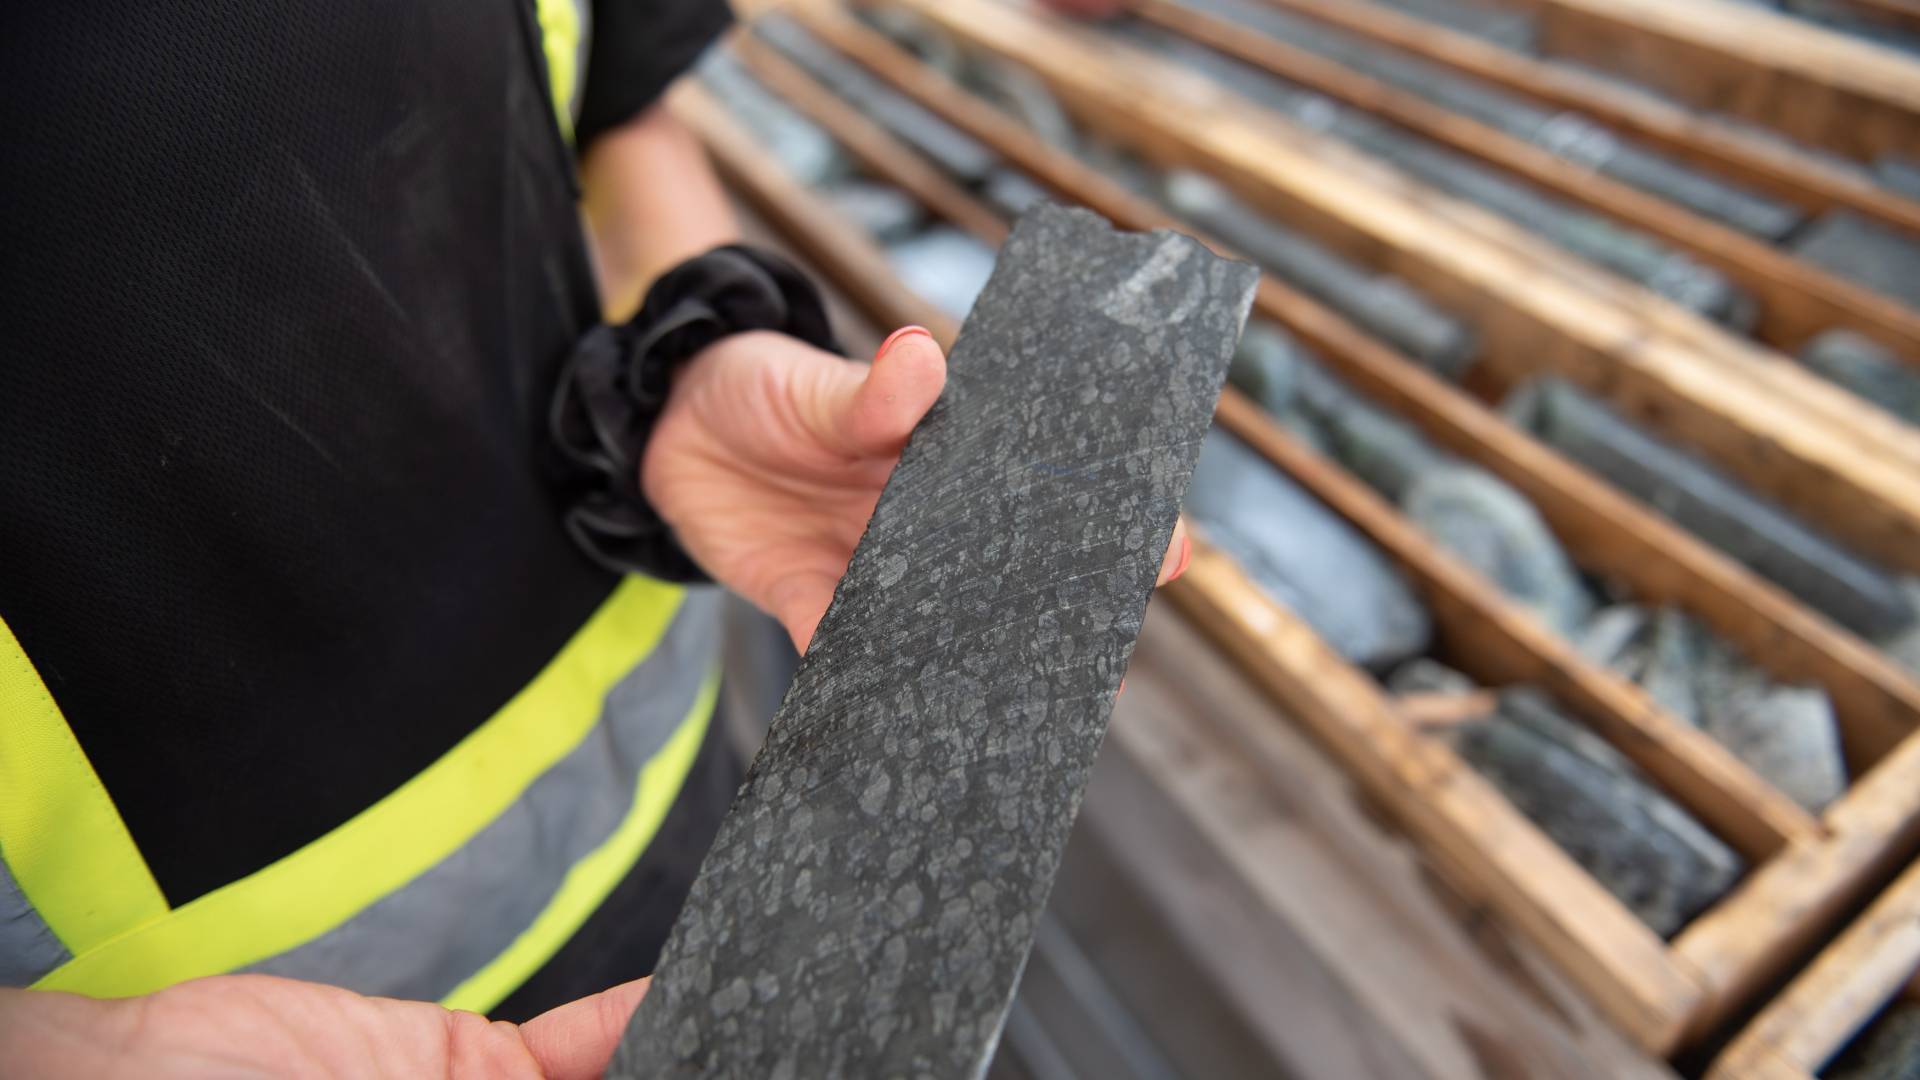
x: 1383, y: 305
x: 1868, y: 369
x: 1424, y: 675
x: 1305, y: 556
x: 910, y: 30
x: 1504, y: 27
x: 946, y: 266
x: 883, y: 211
x: 1878, y: 256
x: 803, y: 148
x: 1785, y: 734
x: 869, y: 901
x: 1889, y: 1048
x: 1494, y: 529
x: 949, y: 147
x: 1266, y: 366
x: 1899, y: 175
x: 1023, y: 94
x: 1381, y: 449
x: 1592, y: 802
x: 1675, y: 650
x: 1904, y: 646
x: 1713, y: 507
x: 1012, y: 193
x: 1612, y: 630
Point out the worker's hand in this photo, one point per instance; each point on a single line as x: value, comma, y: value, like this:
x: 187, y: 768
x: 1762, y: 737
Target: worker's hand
x: 257, y: 1025
x: 771, y: 455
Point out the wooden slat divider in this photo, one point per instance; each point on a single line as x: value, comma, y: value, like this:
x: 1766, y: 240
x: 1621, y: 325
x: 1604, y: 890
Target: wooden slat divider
x: 1536, y: 307
x: 1605, y: 531
x: 1816, y: 85
x: 1826, y: 1005
x: 1504, y: 860
x: 1797, y: 299
x: 1697, y: 138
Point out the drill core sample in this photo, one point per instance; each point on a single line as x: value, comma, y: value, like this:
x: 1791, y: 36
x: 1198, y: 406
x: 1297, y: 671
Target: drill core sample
x: 872, y: 895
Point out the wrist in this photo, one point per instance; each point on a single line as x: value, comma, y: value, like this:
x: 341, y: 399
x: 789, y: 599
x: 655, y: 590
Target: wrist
x: 613, y: 391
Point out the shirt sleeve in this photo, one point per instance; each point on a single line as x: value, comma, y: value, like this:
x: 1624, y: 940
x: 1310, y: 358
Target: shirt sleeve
x: 638, y: 47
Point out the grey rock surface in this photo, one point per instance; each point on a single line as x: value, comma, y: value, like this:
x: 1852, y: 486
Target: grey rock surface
x: 803, y: 148
x: 1899, y: 175
x: 871, y: 897
x: 1868, y: 369
x: 1592, y: 802
x: 1384, y: 305
x: 1878, y: 256
x: 949, y: 147
x: 1715, y: 508
x: 1495, y: 530
x: 1889, y: 1048
x: 1305, y: 556
x: 946, y: 266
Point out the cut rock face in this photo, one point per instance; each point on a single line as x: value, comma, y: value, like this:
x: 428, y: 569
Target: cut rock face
x: 1593, y: 803
x: 873, y: 893
x: 1305, y: 556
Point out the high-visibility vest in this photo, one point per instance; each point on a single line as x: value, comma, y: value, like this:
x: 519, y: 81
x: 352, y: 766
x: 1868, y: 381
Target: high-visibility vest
x: 454, y: 888
x: 457, y: 883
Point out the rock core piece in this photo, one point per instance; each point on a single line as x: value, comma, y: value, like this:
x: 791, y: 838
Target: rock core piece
x: 871, y: 897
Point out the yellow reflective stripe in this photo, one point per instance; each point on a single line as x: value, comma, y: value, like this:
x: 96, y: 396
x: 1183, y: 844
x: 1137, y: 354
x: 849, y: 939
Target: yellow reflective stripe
x: 560, y: 41
x: 68, y: 850
x: 590, y: 880
x: 323, y: 884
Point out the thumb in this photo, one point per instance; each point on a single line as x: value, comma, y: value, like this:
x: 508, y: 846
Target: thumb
x: 906, y: 377
x: 578, y: 1039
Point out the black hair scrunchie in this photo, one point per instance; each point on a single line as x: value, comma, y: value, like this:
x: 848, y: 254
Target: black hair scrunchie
x: 614, y: 386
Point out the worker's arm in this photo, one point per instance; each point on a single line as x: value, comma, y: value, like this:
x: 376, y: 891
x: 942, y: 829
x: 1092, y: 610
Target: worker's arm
x: 652, y: 201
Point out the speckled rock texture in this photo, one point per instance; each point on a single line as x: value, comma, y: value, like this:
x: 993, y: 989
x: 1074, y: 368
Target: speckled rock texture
x: 871, y: 897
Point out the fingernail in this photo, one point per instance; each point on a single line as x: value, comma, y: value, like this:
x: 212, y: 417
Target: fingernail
x: 1186, y: 556
x: 905, y: 331
x: 1123, y: 686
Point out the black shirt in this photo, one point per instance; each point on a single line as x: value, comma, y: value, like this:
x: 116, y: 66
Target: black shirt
x: 283, y: 289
